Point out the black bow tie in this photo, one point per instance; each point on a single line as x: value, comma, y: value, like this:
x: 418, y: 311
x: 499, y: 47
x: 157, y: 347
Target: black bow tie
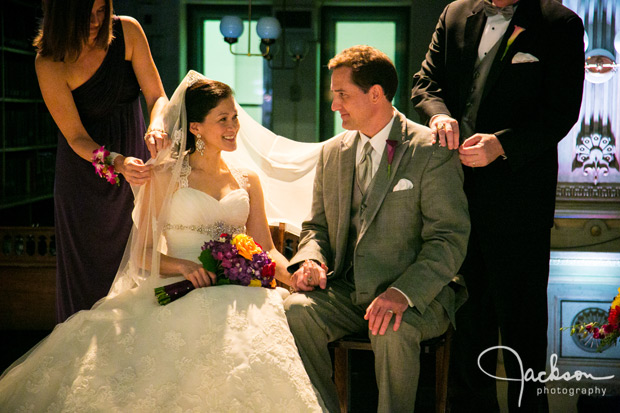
x: 491, y: 9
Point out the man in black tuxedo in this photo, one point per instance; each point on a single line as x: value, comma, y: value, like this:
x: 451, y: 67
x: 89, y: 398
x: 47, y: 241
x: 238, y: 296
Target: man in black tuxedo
x: 504, y: 86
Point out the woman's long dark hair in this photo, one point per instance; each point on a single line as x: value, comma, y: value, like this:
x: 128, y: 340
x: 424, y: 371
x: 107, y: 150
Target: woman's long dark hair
x: 66, y: 27
x: 200, y: 98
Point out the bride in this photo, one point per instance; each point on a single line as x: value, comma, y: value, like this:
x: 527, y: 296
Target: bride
x: 224, y: 348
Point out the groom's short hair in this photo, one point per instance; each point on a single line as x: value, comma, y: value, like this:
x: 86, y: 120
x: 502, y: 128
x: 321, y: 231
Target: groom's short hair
x: 369, y: 67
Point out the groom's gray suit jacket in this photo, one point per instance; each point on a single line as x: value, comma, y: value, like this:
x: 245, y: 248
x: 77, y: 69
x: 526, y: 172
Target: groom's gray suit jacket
x: 413, y: 239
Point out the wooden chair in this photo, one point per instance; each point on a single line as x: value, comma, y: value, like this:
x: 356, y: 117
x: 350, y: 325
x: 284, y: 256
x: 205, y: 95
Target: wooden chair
x: 440, y: 346
x: 287, y: 243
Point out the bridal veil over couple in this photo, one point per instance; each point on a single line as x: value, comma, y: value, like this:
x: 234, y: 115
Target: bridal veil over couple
x: 229, y: 348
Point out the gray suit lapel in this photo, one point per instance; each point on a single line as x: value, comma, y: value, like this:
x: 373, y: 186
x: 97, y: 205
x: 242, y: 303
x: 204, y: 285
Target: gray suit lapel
x: 381, y: 183
x: 346, y: 170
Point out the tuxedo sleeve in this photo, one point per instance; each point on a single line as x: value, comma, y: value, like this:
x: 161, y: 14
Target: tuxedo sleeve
x: 444, y: 232
x: 314, y: 237
x: 558, y: 103
x: 428, y: 95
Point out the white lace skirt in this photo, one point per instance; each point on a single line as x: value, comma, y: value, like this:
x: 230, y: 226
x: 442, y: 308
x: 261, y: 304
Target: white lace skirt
x: 218, y: 349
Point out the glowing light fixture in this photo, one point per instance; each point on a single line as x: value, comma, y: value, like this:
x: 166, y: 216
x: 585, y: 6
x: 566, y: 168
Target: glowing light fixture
x: 267, y: 28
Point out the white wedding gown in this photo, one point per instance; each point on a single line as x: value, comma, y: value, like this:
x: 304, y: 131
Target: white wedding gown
x: 218, y: 349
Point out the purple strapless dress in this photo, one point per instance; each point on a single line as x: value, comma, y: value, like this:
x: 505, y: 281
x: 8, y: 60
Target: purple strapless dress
x: 92, y: 217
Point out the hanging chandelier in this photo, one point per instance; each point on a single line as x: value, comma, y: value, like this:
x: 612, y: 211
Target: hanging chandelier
x: 267, y: 28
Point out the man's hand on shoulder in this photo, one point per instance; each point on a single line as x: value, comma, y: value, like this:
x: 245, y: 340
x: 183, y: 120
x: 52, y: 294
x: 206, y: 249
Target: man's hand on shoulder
x: 445, y: 130
x: 387, y: 304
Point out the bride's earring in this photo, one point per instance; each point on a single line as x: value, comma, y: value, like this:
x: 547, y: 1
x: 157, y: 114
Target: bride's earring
x: 200, y: 145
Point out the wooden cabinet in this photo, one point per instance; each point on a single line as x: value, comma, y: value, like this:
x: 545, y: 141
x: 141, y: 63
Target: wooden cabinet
x: 28, y: 133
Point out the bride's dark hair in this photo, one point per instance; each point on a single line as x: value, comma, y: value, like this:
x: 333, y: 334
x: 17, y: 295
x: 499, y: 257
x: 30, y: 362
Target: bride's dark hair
x: 200, y: 98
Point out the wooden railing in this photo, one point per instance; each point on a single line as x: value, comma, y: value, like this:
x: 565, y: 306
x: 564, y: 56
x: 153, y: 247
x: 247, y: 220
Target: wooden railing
x: 27, y: 278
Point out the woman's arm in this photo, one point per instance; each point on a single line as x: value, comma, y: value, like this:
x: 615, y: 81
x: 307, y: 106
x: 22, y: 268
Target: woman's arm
x: 258, y: 228
x: 59, y: 101
x: 138, y: 52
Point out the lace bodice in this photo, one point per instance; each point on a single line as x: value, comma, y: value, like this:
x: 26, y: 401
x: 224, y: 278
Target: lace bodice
x: 197, y: 217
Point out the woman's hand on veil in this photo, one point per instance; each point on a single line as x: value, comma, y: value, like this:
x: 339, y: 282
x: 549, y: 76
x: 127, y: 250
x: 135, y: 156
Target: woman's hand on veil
x: 196, y: 274
x: 133, y: 169
x: 156, y: 140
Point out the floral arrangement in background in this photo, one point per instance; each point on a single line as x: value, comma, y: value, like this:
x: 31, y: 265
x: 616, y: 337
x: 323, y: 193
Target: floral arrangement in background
x: 234, y: 260
x: 104, y: 167
x: 608, y: 334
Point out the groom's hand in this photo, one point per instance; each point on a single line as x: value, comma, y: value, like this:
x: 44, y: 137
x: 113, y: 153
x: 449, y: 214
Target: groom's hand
x: 387, y: 304
x: 308, y: 276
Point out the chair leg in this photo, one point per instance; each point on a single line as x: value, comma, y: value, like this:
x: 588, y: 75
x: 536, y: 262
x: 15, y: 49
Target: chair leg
x: 341, y: 377
x: 442, y: 365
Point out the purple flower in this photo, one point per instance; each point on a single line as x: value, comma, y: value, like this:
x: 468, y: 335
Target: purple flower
x: 391, y: 147
x: 222, y: 257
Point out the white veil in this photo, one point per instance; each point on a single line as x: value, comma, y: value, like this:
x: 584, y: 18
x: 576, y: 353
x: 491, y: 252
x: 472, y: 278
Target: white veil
x: 285, y: 167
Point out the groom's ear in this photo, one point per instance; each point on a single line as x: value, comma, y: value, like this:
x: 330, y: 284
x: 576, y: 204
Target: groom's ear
x: 376, y: 93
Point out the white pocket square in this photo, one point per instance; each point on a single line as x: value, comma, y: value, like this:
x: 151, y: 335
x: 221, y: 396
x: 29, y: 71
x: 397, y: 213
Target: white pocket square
x: 524, y: 58
x: 402, y: 185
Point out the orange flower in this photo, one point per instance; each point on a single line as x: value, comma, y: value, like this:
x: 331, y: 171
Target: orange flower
x: 246, y: 246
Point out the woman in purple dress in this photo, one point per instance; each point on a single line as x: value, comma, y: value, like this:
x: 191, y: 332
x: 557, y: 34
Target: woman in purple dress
x: 91, y: 67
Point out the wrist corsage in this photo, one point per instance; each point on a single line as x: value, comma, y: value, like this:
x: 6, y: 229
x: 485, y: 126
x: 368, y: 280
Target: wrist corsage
x: 103, y: 161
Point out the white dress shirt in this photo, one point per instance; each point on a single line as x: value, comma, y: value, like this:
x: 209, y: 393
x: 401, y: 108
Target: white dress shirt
x: 493, y: 32
x: 378, y: 145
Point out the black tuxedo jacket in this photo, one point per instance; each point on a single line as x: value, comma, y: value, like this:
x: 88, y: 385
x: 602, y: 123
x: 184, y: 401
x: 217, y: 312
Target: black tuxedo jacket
x: 529, y: 106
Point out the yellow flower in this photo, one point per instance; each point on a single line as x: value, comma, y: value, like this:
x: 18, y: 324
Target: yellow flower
x: 255, y: 283
x: 616, y: 302
x: 246, y: 246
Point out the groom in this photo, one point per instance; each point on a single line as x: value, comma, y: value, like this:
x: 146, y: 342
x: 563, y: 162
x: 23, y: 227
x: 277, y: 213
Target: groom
x: 389, y: 222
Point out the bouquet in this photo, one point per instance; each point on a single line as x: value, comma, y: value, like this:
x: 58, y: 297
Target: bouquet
x: 608, y: 334
x: 234, y: 260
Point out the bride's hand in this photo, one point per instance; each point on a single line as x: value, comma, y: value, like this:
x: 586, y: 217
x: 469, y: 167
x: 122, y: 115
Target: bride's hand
x: 196, y: 274
x: 133, y: 169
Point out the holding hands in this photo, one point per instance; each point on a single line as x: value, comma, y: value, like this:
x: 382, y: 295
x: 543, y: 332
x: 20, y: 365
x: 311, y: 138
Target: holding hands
x: 308, y: 276
x: 379, y: 313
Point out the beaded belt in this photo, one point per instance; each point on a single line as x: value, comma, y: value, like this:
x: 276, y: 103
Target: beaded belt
x: 213, y: 231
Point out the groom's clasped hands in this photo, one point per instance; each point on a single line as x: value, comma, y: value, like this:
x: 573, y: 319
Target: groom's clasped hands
x: 391, y: 303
